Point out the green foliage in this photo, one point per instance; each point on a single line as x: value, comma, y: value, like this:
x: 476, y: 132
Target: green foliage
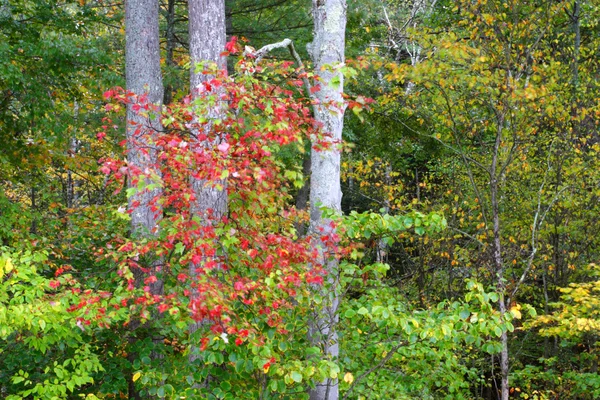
x: 418, y: 217
x: 417, y: 353
x: 50, y: 56
x: 45, y: 352
x: 387, y: 227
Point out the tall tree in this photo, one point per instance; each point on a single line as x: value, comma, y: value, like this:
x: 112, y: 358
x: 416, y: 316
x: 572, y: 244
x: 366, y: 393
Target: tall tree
x: 327, y: 52
x: 207, y: 37
x: 207, y: 42
x: 144, y: 79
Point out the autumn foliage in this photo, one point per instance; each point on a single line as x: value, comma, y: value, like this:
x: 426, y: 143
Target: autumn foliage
x: 250, y: 264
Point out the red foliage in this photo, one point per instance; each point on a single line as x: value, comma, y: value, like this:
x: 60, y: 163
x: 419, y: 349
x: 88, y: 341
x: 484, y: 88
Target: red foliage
x: 248, y: 265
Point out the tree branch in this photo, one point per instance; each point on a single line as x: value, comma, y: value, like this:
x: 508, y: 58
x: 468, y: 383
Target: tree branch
x: 263, y: 51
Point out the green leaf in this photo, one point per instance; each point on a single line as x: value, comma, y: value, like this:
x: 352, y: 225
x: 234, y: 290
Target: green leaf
x: 498, y: 331
x: 239, y: 365
x: 296, y: 376
x: 509, y: 326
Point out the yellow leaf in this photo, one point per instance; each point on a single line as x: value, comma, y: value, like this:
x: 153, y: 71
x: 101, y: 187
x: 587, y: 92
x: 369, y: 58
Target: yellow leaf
x: 348, y: 378
x: 8, y: 266
x: 136, y: 376
x: 515, y: 312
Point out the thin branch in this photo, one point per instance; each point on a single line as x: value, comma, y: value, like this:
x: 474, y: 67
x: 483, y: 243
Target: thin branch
x: 270, y: 30
x: 467, y: 235
x: 257, y: 8
x: 538, y: 220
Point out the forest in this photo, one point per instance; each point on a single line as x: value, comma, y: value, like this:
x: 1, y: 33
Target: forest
x: 286, y: 199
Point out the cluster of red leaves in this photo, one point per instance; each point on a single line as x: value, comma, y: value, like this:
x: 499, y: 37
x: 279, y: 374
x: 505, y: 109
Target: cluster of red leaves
x: 248, y: 266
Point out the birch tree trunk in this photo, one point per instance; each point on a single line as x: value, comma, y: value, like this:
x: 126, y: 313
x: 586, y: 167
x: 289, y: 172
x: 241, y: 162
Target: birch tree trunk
x: 327, y: 51
x: 207, y: 42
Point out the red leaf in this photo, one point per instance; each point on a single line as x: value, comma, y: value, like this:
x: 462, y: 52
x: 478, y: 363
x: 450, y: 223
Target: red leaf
x: 231, y: 45
x: 163, y: 307
x: 196, y: 259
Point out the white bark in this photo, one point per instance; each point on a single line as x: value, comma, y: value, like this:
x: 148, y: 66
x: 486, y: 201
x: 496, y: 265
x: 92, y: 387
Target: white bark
x: 327, y: 51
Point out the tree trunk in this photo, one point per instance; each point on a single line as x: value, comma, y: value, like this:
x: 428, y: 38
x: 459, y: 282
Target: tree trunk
x: 207, y: 42
x: 304, y: 192
x: 327, y: 51
x: 576, y: 25
x: 497, y: 259
x: 33, y: 227
x: 207, y: 36
x: 382, y: 247
x: 72, y: 195
x: 143, y: 75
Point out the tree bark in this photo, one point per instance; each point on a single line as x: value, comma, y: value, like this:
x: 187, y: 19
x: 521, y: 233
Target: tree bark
x: 576, y: 25
x: 497, y: 259
x: 327, y: 51
x: 304, y: 192
x: 207, y: 42
x: 382, y: 247
x: 143, y: 76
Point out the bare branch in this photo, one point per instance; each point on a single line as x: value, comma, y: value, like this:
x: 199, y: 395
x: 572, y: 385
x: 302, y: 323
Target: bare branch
x: 263, y: 51
x: 538, y: 220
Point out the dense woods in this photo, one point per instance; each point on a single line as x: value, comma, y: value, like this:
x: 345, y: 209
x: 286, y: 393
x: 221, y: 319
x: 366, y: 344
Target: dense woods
x: 285, y: 199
